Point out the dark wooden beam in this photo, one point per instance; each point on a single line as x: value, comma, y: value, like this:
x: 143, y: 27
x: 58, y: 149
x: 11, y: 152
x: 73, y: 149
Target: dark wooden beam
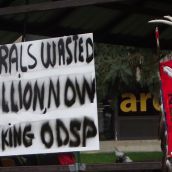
x: 138, y: 9
x: 121, y: 18
x: 39, y: 28
x: 114, y: 4
x: 42, y: 28
x: 101, y: 37
x: 86, y: 167
x: 12, y: 26
x: 52, y: 5
x: 166, y: 1
x: 128, y: 40
x: 5, y: 3
x: 120, y: 39
x: 124, y: 166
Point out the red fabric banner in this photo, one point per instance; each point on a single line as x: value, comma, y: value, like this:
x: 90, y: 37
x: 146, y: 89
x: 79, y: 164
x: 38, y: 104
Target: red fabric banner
x: 166, y: 85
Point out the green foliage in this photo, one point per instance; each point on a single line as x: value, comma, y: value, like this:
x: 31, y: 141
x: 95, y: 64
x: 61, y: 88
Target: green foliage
x: 112, y: 69
x: 117, y: 69
x: 149, y: 72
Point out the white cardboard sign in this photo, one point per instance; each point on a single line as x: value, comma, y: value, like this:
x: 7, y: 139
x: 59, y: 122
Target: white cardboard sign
x: 48, y: 96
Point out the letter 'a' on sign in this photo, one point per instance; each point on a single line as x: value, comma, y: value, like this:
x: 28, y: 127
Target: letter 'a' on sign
x: 166, y: 82
x: 48, y: 98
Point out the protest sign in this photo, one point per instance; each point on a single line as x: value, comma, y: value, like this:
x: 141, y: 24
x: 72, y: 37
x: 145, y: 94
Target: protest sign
x: 48, y: 96
x: 166, y: 82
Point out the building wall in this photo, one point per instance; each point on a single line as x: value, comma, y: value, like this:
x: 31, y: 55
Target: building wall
x: 137, y: 117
